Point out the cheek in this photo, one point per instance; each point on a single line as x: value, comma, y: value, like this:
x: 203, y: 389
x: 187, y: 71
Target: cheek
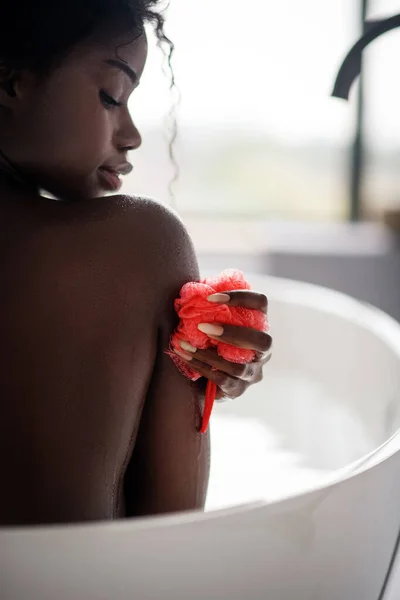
x: 74, y: 131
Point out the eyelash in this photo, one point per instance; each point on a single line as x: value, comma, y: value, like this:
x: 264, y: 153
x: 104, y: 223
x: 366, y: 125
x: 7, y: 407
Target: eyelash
x: 108, y: 101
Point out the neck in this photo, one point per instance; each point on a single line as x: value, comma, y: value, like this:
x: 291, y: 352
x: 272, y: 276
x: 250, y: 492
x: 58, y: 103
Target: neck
x: 9, y: 171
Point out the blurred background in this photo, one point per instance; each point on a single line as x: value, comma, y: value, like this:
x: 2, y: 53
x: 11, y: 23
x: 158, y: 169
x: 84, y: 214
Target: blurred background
x: 275, y: 175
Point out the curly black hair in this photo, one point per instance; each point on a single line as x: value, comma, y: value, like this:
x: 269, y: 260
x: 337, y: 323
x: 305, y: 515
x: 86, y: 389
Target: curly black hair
x: 38, y: 34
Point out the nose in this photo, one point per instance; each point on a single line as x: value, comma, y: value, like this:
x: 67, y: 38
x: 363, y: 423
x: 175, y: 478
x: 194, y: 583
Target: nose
x: 128, y: 136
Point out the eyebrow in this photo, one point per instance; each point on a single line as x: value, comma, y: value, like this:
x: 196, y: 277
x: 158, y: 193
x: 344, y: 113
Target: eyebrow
x: 124, y: 67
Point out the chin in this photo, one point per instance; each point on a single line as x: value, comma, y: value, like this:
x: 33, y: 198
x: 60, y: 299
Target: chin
x: 76, y: 187
x: 71, y: 193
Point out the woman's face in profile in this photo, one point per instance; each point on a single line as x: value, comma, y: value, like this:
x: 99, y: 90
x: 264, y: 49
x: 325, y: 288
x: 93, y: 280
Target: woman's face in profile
x: 73, y: 122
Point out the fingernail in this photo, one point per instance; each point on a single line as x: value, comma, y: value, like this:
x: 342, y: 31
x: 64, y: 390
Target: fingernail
x: 183, y: 355
x: 219, y: 298
x: 209, y: 329
x: 188, y: 347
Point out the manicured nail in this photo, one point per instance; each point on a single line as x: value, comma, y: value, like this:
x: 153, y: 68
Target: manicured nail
x: 219, y: 298
x: 188, y: 347
x: 183, y: 355
x: 208, y: 329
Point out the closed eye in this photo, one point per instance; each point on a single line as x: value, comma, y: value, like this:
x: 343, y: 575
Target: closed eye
x: 108, y: 101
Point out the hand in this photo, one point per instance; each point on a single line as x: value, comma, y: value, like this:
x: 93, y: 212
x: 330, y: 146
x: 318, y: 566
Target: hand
x: 232, y: 379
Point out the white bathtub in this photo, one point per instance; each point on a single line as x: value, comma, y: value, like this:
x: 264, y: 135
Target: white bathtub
x: 313, y: 450
x: 330, y: 397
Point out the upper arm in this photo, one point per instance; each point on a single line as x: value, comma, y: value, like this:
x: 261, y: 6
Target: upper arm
x: 170, y: 462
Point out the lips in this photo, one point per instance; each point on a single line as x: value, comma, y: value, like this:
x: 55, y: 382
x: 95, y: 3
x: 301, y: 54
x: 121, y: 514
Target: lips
x: 109, y: 180
x: 110, y: 177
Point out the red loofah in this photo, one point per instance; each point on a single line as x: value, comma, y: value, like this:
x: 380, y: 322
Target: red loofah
x: 193, y: 308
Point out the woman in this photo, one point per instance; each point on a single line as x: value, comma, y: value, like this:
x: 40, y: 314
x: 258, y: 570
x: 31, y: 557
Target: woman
x: 96, y: 421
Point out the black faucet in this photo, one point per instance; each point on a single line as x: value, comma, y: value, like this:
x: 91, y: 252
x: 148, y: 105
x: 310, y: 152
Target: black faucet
x: 351, y: 65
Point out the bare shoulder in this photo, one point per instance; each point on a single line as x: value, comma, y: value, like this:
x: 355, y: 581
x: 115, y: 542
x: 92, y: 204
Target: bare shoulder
x: 136, y: 241
x: 160, y: 238
x: 162, y: 224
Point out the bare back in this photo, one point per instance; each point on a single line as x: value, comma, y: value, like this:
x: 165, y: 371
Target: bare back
x: 80, y: 313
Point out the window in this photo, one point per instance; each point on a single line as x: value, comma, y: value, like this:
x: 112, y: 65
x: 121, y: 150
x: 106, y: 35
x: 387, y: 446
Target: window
x: 382, y: 121
x: 259, y: 133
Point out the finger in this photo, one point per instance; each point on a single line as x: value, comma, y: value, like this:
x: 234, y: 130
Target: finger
x: 244, y: 298
x: 212, y: 358
x: 246, y: 372
x: 218, y: 377
x: 230, y: 386
x: 222, y: 397
x: 242, y: 337
x: 263, y: 357
x: 201, y: 385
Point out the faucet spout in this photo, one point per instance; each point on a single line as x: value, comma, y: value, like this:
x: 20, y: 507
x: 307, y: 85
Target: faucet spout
x: 351, y: 65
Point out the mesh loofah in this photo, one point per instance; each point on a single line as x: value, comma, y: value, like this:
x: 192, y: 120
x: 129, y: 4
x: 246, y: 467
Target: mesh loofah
x: 193, y: 308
